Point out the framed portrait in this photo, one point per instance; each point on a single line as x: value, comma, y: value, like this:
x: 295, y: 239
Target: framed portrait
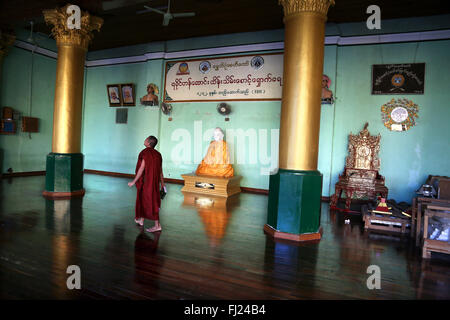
x: 128, y: 94
x: 114, y: 95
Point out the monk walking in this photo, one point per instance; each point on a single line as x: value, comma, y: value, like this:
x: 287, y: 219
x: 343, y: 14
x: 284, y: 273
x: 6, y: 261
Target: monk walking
x: 148, y: 177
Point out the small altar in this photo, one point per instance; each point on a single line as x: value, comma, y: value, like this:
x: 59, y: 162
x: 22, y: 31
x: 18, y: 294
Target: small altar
x: 211, y: 185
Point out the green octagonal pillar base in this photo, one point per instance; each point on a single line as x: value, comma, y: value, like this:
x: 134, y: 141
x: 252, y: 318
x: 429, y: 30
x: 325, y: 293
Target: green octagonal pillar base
x: 64, y: 175
x: 294, y: 205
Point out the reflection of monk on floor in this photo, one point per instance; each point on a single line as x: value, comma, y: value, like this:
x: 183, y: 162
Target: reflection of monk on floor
x: 217, y: 159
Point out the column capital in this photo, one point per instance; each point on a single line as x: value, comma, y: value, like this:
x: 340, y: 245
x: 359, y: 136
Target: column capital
x: 6, y: 41
x: 292, y: 7
x: 73, y: 37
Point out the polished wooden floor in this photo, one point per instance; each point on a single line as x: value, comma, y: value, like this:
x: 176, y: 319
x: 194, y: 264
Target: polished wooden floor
x: 206, y: 250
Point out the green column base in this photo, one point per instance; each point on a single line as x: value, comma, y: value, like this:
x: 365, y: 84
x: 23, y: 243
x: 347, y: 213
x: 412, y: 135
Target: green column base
x: 64, y: 175
x: 294, y: 205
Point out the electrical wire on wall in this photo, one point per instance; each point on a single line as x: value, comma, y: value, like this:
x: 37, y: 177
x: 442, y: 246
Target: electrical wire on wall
x: 83, y: 106
x: 417, y: 49
x: 381, y: 49
x: 163, y: 65
x: 30, y: 83
x: 334, y: 111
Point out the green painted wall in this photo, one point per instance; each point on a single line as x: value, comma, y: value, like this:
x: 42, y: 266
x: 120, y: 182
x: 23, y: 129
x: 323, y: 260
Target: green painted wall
x: 406, y: 157
x: 327, y: 116
x: 109, y: 146
x: 24, y: 151
x: 192, y: 126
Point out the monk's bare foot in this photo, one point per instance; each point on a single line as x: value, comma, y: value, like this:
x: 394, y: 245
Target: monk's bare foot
x: 139, y: 221
x: 154, y: 229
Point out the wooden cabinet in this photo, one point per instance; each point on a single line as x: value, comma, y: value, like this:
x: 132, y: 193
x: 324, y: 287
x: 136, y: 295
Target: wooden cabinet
x: 434, y: 245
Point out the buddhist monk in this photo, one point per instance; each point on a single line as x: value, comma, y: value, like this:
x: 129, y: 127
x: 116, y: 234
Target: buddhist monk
x: 217, y: 159
x: 148, y: 177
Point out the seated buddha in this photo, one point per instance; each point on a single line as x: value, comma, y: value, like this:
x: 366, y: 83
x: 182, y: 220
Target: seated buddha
x: 217, y: 160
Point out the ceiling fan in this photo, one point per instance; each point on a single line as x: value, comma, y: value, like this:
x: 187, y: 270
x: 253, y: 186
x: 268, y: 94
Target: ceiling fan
x: 167, y: 15
x: 31, y: 39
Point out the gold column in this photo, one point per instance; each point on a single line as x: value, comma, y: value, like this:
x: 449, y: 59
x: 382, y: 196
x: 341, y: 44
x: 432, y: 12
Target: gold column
x: 303, y: 67
x: 6, y: 41
x: 72, y: 47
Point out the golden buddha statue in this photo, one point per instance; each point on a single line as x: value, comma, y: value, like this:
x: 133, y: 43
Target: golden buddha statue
x: 217, y: 159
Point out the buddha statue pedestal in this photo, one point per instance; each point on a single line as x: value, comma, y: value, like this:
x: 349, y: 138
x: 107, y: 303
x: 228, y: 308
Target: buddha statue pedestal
x: 215, y: 174
x: 211, y: 185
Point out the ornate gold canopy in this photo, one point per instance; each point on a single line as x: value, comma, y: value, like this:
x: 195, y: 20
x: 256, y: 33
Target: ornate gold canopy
x: 363, y: 150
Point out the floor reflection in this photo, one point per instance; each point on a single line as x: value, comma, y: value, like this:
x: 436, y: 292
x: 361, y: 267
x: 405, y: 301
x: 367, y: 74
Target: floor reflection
x: 211, y: 249
x: 64, y: 218
x: 426, y: 276
x: 291, y: 263
x: 148, y: 263
x: 359, y: 248
x: 215, y: 213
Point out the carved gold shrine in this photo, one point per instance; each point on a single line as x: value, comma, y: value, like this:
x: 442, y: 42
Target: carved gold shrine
x: 360, y: 178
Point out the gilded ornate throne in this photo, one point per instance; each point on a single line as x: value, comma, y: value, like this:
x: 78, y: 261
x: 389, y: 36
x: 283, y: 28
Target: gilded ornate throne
x: 360, y: 178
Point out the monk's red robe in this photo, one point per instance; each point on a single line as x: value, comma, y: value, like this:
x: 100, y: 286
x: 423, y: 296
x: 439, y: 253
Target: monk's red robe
x: 148, y: 198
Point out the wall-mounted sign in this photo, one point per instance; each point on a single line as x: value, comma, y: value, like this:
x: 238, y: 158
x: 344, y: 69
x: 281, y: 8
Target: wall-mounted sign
x: 398, y: 78
x: 252, y: 77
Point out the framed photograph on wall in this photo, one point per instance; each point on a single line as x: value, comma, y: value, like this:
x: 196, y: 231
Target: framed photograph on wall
x: 128, y: 94
x: 114, y: 95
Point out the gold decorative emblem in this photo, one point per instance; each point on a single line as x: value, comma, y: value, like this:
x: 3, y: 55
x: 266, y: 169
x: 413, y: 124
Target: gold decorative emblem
x: 397, y: 80
x: 399, y: 115
x: 363, y: 150
x: 183, y: 68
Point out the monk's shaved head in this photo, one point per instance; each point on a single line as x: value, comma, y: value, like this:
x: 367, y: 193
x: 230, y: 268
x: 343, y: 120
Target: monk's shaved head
x: 152, y: 141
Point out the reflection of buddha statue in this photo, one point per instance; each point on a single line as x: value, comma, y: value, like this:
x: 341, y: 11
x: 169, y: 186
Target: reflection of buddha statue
x: 217, y: 160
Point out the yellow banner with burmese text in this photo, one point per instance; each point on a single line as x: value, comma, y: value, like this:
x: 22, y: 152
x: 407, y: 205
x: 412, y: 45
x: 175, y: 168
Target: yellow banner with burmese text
x: 251, y: 77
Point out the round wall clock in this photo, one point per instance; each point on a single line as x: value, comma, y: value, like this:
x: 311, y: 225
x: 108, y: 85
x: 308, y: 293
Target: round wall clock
x: 399, y: 115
